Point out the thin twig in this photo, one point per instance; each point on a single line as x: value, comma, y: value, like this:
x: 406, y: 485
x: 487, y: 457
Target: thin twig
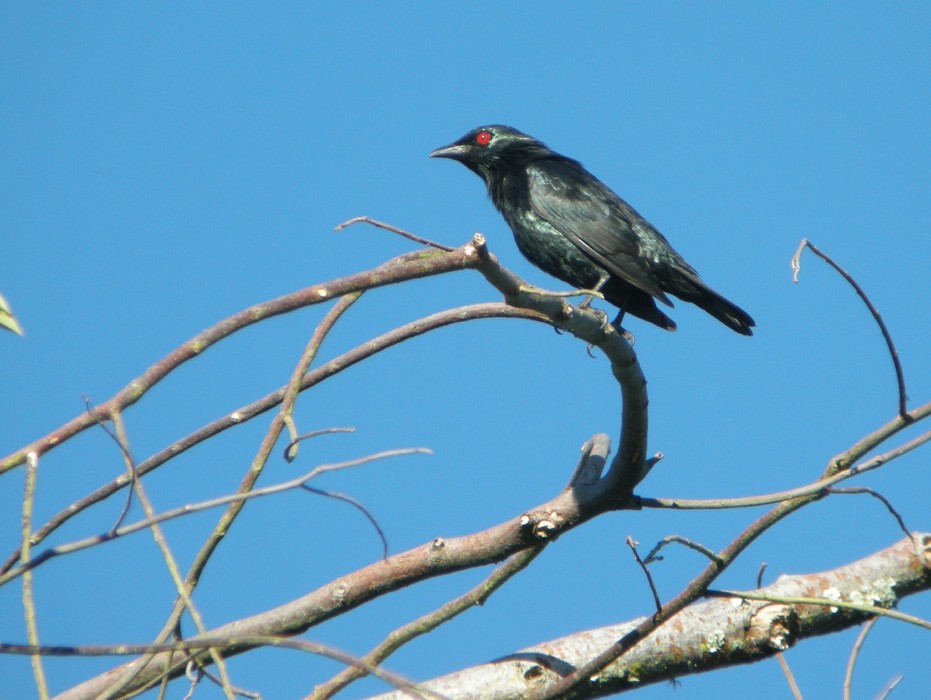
x: 646, y: 572
x: 826, y: 602
x: 127, y: 459
x: 393, y: 229
x: 678, y: 539
x: 790, y: 678
x: 289, y: 455
x: 185, y: 647
x: 190, y: 508
x: 335, y: 495
x: 899, y: 374
x: 838, y: 470
x: 759, y: 575
x: 171, y: 563
x: 865, y: 489
x: 429, y: 622
x: 890, y: 686
x: 855, y: 654
x: 29, y: 603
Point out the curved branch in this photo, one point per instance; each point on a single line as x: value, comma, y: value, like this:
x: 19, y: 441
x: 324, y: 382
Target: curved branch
x: 899, y: 374
x: 409, y: 266
x: 630, y: 465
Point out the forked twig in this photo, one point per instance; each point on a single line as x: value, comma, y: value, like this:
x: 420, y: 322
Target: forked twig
x: 646, y: 572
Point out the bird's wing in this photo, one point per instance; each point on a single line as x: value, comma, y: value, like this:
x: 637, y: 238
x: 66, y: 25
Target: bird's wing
x: 602, y: 225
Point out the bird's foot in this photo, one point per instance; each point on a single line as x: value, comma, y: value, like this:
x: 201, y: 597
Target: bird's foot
x: 626, y: 335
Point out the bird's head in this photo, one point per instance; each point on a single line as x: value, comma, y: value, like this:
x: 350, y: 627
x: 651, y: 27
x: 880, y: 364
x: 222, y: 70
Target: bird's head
x: 490, y: 150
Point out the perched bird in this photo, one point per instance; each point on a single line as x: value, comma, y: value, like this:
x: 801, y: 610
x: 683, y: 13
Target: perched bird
x: 570, y: 225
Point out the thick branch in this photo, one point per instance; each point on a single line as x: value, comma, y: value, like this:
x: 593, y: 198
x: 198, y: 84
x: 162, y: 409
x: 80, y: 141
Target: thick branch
x: 706, y: 636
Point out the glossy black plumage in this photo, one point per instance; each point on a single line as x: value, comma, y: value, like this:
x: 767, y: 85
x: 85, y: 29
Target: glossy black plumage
x: 572, y: 226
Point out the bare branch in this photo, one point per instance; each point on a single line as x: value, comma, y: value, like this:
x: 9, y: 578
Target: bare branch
x: 289, y: 456
x: 477, y: 596
x: 707, y: 635
x: 678, y: 539
x: 899, y: 374
x: 840, y: 468
x: 192, y: 645
x: 878, y: 496
x: 29, y: 606
x: 189, y: 508
x: 629, y: 466
x: 405, y: 267
x: 256, y: 408
x: 855, y: 654
x: 646, y: 572
x: 393, y: 229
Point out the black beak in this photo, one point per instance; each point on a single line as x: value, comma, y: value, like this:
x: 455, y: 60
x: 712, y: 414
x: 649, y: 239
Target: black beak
x: 453, y: 150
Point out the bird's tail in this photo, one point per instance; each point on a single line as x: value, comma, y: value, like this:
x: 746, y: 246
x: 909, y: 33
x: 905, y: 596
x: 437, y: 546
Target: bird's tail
x: 726, y: 311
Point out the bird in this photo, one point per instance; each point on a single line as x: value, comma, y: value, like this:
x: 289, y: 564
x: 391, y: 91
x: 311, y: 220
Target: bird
x: 574, y: 227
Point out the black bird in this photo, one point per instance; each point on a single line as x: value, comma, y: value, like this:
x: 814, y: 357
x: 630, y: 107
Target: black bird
x: 570, y: 225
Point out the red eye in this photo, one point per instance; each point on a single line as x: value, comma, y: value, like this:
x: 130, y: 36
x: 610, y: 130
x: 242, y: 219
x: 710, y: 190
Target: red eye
x: 482, y: 138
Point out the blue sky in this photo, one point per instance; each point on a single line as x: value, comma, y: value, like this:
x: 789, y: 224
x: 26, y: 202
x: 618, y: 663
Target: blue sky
x: 163, y: 166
